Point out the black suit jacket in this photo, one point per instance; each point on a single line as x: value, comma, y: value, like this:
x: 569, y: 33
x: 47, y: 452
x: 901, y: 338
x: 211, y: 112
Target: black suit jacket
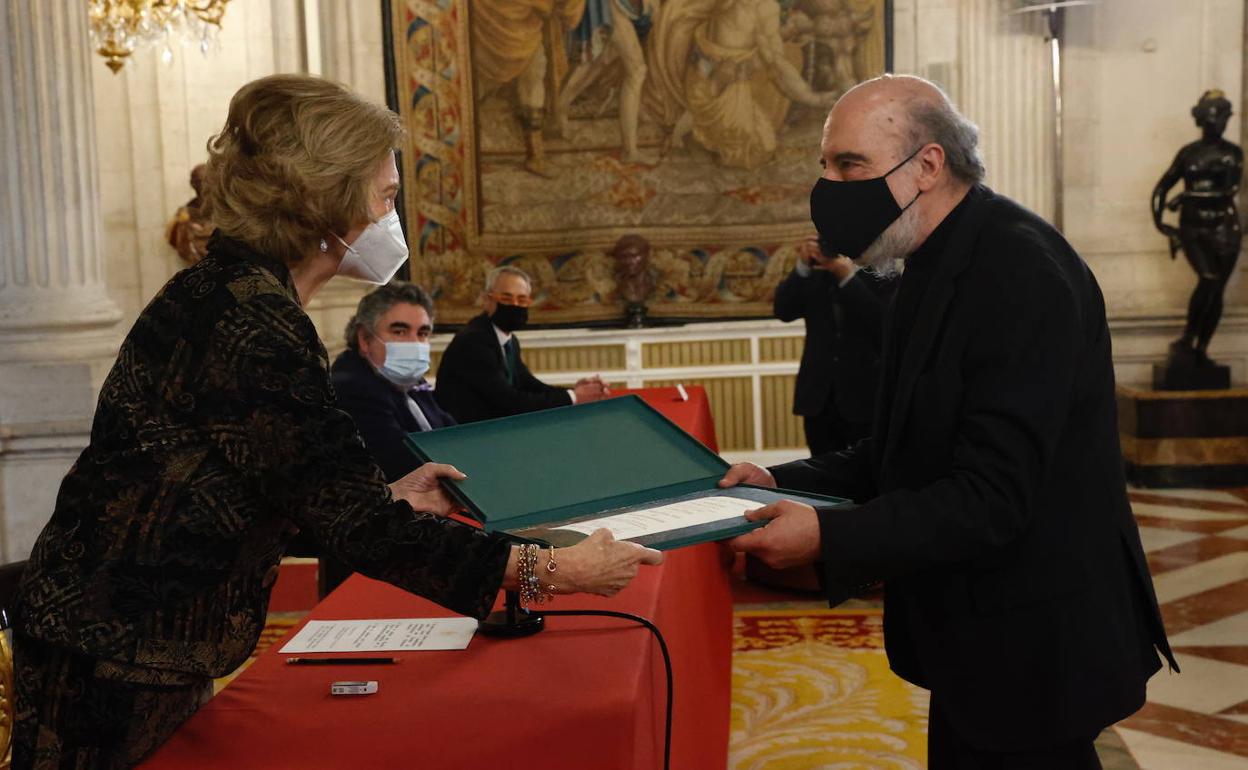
x: 844, y: 330
x: 995, y: 508
x: 381, y: 413
x: 472, y: 378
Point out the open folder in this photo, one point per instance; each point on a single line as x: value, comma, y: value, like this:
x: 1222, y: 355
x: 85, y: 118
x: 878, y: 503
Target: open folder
x: 556, y: 475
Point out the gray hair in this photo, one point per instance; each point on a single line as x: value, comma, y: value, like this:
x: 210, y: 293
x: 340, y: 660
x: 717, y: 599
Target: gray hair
x: 378, y: 302
x: 939, y: 122
x: 500, y: 271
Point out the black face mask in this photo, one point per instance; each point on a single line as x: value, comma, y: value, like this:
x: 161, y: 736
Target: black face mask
x: 851, y: 215
x: 509, y: 317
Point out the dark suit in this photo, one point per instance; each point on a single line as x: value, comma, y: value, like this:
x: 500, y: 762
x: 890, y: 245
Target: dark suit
x: 474, y: 384
x: 994, y: 505
x: 839, y: 374
x: 381, y: 412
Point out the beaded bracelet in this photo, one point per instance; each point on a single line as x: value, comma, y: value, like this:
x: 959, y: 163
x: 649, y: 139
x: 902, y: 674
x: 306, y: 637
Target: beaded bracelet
x: 531, y: 589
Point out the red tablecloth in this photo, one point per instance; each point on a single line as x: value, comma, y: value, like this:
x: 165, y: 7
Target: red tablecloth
x: 585, y: 694
x: 693, y: 415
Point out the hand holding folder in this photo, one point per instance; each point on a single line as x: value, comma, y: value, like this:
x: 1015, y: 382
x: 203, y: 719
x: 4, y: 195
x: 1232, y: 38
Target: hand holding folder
x: 551, y: 475
x: 423, y: 489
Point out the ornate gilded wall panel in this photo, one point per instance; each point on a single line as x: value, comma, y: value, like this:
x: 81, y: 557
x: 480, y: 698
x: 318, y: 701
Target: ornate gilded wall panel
x: 582, y: 358
x: 731, y: 406
x: 574, y: 358
x: 772, y: 349
x: 781, y: 428
x: 658, y: 355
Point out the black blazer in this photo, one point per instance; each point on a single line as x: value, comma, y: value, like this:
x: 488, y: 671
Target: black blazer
x: 994, y: 505
x: 844, y: 329
x: 472, y: 378
x: 381, y: 414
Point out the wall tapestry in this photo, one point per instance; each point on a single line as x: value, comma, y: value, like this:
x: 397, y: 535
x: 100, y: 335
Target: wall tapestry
x: 541, y: 131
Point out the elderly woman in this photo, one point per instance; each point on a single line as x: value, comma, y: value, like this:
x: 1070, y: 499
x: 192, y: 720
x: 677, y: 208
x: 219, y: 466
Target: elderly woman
x: 216, y: 439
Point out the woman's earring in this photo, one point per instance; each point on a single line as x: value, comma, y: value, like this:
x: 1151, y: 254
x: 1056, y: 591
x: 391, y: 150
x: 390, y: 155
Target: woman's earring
x: 324, y: 246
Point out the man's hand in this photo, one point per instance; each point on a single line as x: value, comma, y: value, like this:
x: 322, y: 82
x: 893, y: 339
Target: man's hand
x: 840, y: 266
x: 790, y: 538
x: 809, y: 251
x: 590, y: 389
x: 748, y: 473
x: 421, y: 489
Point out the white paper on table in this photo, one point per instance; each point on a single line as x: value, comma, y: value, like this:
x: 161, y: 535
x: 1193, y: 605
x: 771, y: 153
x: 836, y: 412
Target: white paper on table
x: 382, y: 635
x: 666, y: 518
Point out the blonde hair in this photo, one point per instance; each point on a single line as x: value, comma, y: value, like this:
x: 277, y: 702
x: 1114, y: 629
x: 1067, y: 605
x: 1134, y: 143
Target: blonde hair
x: 295, y: 162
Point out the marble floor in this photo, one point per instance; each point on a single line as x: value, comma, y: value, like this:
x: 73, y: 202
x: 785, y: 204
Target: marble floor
x: 1197, y: 545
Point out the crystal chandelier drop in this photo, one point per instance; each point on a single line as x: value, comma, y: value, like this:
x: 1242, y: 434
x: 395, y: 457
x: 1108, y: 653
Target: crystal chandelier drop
x: 118, y: 27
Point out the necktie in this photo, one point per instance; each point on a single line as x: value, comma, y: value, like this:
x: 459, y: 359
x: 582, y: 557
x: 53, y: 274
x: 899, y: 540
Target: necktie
x: 510, y: 359
x: 421, y: 419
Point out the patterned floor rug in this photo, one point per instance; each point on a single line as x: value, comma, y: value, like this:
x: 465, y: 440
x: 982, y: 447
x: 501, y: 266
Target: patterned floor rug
x: 812, y: 689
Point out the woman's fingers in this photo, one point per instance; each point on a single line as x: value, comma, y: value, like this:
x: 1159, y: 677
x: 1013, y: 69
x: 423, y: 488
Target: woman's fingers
x: 443, y: 471
x: 650, y: 557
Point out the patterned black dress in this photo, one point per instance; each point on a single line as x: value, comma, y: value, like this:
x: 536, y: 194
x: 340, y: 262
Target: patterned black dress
x: 215, y: 439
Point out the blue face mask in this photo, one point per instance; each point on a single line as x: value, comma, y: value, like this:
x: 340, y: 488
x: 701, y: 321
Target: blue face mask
x: 406, y: 363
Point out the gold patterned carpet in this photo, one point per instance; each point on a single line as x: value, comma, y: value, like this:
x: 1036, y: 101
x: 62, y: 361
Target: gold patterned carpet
x: 811, y: 689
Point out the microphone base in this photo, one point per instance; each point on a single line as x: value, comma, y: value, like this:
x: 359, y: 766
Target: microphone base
x: 512, y: 622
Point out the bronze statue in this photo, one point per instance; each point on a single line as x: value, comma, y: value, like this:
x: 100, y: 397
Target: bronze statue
x: 1208, y: 233
x: 633, y: 279
x: 190, y: 228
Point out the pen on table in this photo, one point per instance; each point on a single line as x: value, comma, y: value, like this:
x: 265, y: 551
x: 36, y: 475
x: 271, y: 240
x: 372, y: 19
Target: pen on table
x: 338, y: 661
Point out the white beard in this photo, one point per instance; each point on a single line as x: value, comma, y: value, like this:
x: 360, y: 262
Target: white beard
x: 893, y: 245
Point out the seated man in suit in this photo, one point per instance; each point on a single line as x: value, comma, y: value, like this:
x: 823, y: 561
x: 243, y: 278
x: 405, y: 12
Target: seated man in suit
x: 482, y: 375
x: 379, y: 379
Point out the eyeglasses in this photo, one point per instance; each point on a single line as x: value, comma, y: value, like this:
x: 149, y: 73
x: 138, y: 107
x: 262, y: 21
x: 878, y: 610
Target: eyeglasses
x: 521, y: 300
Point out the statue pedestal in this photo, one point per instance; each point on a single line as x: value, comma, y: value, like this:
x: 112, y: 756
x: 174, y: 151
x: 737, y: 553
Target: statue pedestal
x: 1184, y: 438
x: 635, y: 315
x: 1177, y: 377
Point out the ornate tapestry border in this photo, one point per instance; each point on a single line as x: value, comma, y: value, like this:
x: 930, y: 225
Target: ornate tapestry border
x: 434, y: 90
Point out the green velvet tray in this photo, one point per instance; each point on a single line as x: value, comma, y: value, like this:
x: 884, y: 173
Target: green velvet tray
x: 531, y: 472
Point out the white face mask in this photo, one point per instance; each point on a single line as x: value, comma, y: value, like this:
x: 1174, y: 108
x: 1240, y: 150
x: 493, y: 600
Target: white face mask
x: 377, y: 254
x: 406, y: 363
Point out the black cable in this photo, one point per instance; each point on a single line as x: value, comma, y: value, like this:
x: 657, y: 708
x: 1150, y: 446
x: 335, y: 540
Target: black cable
x: 667, y: 664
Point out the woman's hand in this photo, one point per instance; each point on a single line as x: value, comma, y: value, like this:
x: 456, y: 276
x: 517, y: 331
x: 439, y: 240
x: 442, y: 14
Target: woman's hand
x: 599, y: 564
x: 421, y: 489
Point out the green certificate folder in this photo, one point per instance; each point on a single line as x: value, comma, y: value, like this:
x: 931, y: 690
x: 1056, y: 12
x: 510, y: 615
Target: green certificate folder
x: 532, y: 473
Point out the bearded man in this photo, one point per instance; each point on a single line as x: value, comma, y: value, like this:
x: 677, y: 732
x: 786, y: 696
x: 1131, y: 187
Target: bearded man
x: 990, y: 495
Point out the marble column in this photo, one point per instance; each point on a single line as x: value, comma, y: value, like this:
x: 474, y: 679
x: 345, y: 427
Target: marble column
x: 56, y: 318
x: 352, y: 45
x: 351, y: 48
x: 1005, y: 87
x: 1243, y: 124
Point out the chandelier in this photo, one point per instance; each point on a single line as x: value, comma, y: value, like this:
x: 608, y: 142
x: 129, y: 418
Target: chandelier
x: 118, y: 27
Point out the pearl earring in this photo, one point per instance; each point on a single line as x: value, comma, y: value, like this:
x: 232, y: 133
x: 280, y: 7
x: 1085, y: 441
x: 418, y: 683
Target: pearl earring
x: 324, y: 246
